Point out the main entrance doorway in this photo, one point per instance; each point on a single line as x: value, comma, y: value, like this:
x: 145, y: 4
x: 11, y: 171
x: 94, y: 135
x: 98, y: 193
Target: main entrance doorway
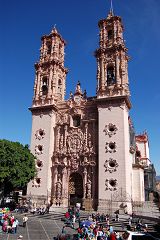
x: 75, y: 193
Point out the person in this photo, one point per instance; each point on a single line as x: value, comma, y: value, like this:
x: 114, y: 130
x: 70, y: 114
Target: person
x: 117, y: 217
x: 63, y: 230
x: 14, y: 225
x: 17, y: 223
x: 112, y: 236
x: 145, y: 227
x: 73, y: 220
x: 25, y: 219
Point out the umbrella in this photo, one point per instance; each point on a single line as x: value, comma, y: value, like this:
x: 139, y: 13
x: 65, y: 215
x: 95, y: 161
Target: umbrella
x: 86, y: 223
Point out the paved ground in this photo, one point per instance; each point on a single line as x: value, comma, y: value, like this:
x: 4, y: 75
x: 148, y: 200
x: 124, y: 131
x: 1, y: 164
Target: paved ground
x: 45, y: 227
x: 38, y: 228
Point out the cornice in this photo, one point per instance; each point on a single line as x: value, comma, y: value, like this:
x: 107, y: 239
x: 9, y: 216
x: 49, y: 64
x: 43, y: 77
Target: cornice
x: 114, y: 99
x: 43, y: 108
x: 53, y: 34
x: 51, y: 62
x: 109, y: 20
x: 137, y: 166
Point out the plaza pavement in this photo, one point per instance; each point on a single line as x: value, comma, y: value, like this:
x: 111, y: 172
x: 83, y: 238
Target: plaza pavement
x: 42, y: 228
x: 45, y: 227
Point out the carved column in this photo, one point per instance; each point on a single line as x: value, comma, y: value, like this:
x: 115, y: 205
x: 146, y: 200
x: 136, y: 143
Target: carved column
x: 100, y: 38
x: 115, y: 33
x: 86, y: 133
x: 65, y: 137
x: 35, y: 85
x: 67, y: 189
x: 52, y: 48
x: 58, y: 137
x: 117, y: 69
x: 98, y: 75
x: 123, y: 67
x: 102, y: 71
x: 50, y: 81
x: 45, y: 47
x: 93, y: 176
x: 94, y: 130
x: 55, y: 174
x: 84, y: 181
x: 64, y: 182
x: 104, y: 35
x: 54, y: 79
x: 38, y: 84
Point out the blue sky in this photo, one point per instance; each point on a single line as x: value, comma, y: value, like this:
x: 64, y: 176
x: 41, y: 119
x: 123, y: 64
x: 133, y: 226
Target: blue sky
x: 24, y: 22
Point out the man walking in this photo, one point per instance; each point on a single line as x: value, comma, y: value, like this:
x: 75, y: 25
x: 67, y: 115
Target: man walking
x: 25, y: 219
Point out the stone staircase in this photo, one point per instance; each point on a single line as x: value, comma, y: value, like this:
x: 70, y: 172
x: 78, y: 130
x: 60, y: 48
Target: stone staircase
x: 149, y: 209
x: 58, y: 214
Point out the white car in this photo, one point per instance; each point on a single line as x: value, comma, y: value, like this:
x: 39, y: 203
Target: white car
x: 139, y: 236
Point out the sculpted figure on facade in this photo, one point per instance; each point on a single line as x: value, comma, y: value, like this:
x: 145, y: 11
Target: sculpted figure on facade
x: 88, y: 188
x: 58, y: 188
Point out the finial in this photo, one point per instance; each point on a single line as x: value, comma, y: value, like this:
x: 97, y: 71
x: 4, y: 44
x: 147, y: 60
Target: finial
x: 54, y: 28
x: 111, y: 8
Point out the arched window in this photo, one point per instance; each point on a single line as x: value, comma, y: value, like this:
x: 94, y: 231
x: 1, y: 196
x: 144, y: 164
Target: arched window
x: 44, y: 86
x: 110, y: 34
x: 76, y: 121
x: 110, y: 76
x: 49, y: 46
x: 59, y: 86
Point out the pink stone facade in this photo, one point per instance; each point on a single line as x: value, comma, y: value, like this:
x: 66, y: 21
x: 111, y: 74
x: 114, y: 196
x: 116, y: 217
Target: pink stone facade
x: 82, y: 144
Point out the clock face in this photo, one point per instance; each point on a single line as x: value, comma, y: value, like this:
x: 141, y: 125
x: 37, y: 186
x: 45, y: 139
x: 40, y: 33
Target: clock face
x: 77, y: 99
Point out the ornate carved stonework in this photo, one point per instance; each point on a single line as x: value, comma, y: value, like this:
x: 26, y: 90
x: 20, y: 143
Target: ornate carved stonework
x: 39, y: 165
x: 36, y: 182
x: 75, y: 145
x: 88, y: 188
x: 111, y: 165
x: 39, y: 149
x: 111, y: 184
x: 110, y: 129
x: 110, y: 147
x: 40, y: 134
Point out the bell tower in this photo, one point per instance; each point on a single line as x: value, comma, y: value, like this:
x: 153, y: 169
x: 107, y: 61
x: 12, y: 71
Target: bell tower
x: 112, y: 59
x: 50, y: 81
x: 49, y: 91
x: 114, y: 160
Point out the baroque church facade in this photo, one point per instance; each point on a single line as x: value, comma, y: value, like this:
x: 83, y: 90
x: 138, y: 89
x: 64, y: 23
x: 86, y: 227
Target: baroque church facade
x: 85, y: 146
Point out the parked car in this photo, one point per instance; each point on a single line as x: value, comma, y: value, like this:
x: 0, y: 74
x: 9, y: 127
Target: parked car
x: 138, y: 236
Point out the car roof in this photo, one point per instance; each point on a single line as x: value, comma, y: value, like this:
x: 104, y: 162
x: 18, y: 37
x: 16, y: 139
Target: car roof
x: 136, y: 233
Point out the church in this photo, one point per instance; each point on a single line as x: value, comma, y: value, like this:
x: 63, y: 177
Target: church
x: 85, y: 147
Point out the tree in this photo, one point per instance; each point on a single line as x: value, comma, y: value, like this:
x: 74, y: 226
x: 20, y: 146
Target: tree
x: 17, y: 165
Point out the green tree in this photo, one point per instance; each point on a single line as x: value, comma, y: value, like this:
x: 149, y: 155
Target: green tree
x: 17, y: 165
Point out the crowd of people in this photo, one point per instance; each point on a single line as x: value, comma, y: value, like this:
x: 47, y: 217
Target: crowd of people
x: 9, y: 223
x: 40, y: 210
x: 99, y: 226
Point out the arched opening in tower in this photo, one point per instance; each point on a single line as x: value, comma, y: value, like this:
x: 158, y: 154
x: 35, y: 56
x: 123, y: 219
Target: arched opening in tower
x: 110, y: 76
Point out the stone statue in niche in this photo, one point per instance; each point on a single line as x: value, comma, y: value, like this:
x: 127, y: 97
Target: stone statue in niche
x: 68, y: 143
x: 65, y: 118
x: 74, y: 163
x: 88, y: 188
x: 65, y: 161
x: 58, y: 188
x: 61, y: 143
x: 90, y: 146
